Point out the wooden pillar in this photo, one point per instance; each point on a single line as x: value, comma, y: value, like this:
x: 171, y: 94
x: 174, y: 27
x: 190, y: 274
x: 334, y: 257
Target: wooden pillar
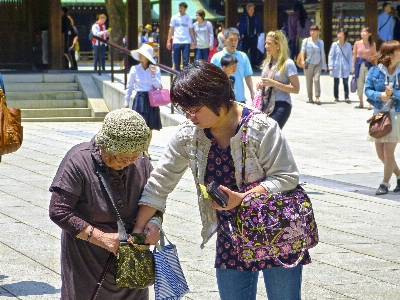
x: 371, y: 17
x: 165, y: 18
x: 132, y: 24
x: 146, y: 7
x: 270, y: 15
x: 231, y: 14
x: 326, y: 23
x: 56, y: 51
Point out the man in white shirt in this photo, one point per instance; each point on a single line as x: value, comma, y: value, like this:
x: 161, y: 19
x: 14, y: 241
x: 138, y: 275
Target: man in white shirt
x: 181, y: 29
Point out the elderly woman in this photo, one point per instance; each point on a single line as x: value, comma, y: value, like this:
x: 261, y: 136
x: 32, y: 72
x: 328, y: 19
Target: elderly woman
x: 82, y: 208
x: 210, y: 142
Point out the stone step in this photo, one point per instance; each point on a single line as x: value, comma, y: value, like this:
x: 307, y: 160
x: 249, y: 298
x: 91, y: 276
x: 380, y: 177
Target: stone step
x: 52, y: 103
x: 64, y: 119
x: 51, y: 95
x: 56, y: 113
x: 42, y: 87
x: 38, y: 78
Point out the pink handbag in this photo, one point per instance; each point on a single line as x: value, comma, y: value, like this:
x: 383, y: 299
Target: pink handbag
x: 159, y: 97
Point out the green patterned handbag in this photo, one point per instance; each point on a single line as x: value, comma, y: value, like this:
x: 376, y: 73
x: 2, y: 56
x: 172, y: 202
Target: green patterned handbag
x: 134, y: 267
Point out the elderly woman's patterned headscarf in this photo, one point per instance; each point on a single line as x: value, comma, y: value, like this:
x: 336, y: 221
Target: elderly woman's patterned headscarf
x: 123, y: 131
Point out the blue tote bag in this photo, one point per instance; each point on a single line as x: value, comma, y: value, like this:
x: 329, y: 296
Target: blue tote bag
x: 170, y: 283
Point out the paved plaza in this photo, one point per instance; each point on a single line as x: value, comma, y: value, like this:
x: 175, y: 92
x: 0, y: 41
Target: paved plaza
x: 358, y: 253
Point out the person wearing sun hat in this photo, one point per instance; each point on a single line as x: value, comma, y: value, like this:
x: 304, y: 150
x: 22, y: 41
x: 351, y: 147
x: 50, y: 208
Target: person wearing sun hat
x: 81, y: 207
x: 142, y: 78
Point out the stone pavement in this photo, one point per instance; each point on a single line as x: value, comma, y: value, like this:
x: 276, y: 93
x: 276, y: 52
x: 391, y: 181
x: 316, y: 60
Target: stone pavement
x: 355, y: 258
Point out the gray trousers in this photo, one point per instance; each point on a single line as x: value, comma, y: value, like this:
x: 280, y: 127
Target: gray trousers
x: 312, y: 73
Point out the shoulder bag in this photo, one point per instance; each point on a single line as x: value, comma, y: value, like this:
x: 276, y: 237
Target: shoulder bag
x: 170, y: 283
x: 272, y: 225
x: 298, y: 59
x: 134, y: 267
x: 381, y: 124
x: 159, y: 97
x: 264, y: 99
x: 353, y: 84
x: 11, y: 131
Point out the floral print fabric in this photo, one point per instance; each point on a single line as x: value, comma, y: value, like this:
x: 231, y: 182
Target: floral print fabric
x: 220, y: 168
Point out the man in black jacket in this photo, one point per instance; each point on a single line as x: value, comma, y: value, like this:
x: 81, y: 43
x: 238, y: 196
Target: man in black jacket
x: 249, y: 28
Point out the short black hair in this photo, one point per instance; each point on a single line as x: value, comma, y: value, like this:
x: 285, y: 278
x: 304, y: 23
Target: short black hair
x: 184, y: 4
x: 227, y: 60
x: 65, y: 9
x: 385, y: 4
x: 202, y: 83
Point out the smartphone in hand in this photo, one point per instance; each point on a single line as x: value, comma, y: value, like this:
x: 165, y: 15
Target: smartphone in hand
x: 218, y: 196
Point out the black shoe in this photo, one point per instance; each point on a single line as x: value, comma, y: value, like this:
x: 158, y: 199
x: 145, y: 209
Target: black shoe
x: 382, y: 190
x: 397, y: 188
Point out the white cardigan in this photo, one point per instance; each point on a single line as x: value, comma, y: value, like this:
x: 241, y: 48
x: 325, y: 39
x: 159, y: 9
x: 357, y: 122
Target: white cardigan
x: 268, y: 161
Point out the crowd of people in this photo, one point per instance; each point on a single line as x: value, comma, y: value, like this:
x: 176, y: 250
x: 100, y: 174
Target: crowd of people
x: 210, y: 92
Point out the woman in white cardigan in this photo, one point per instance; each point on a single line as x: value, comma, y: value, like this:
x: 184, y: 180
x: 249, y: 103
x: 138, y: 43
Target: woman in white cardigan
x: 210, y: 144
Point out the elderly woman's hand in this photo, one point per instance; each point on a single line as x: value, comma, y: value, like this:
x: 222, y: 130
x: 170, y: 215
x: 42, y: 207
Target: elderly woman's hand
x: 109, y: 241
x: 152, y: 232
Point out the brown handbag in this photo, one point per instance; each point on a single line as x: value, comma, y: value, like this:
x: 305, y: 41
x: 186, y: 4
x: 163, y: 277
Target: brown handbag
x: 11, y: 131
x: 298, y: 59
x: 380, y: 125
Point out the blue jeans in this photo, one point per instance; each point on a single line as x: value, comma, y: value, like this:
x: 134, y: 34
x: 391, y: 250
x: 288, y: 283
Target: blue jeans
x: 336, y: 87
x: 103, y: 56
x: 178, y: 49
x: 281, y: 113
x: 201, y: 53
x: 280, y: 283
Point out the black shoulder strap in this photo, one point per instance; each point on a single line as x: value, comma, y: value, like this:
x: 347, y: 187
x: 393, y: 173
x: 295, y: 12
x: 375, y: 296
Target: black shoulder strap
x: 384, y: 24
x: 342, y: 52
x: 106, y: 183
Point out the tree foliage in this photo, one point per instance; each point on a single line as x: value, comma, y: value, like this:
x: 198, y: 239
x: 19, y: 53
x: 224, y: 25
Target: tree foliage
x: 116, y: 11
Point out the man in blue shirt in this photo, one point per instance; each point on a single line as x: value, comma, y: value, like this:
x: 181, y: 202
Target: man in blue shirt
x: 385, y: 23
x: 244, y: 70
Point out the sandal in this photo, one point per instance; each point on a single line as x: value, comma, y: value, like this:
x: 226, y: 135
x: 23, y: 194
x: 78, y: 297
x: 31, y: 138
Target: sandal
x: 336, y: 100
x: 359, y: 106
x: 310, y: 101
x: 347, y: 100
x: 317, y: 101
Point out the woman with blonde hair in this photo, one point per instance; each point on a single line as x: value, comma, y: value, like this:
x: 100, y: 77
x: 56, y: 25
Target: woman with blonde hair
x: 279, y: 77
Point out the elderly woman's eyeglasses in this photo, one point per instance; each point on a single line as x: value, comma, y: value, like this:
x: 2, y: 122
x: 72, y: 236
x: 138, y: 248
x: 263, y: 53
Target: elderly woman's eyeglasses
x: 191, y: 112
x: 126, y: 160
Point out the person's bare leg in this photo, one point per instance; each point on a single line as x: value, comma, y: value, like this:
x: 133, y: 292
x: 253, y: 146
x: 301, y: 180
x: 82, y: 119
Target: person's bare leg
x: 148, y: 145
